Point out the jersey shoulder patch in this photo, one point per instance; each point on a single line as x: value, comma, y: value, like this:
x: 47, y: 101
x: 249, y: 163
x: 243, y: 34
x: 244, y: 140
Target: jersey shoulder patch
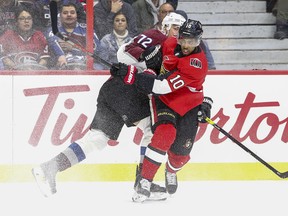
x: 195, y: 62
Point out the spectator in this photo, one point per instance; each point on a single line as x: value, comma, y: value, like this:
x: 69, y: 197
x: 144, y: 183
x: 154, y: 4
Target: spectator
x: 83, y: 2
x: 42, y: 12
x: 147, y: 13
x: 270, y: 5
x: 23, y: 47
x: 63, y: 53
x: 172, y: 2
x: 163, y: 10
x: 7, y: 14
x: 129, y: 1
x: 280, y: 10
x: 119, y: 35
x: 104, y: 12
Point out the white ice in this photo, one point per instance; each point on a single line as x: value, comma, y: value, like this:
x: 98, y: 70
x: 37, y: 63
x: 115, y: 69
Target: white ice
x: 193, y: 198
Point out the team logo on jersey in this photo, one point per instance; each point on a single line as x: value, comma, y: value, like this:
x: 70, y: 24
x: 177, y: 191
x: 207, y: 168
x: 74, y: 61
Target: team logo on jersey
x: 188, y: 144
x: 26, y: 58
x: 195, y: 62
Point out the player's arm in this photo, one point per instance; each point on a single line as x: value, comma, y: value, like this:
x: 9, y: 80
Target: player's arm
x: 147, y: 81
x: 144, y: 44
x: 152, y: 83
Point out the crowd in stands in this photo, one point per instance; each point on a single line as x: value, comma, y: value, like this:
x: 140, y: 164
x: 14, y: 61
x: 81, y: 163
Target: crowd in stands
x: 26, y: 36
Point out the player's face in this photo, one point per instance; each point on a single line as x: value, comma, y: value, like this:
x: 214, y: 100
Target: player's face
x: 120, y: 24
x: 188, y: 45
x: 68, y: 15
x: 174, y: 31
x: 24, y: 21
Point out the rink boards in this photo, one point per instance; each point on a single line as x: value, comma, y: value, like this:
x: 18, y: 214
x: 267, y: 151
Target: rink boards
x: 42, y: 113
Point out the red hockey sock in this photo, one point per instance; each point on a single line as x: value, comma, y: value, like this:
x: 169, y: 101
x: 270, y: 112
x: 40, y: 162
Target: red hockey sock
x: 163, y: 137
x: 176, y: 162
x: 161, y: 141
x: 149, y: 169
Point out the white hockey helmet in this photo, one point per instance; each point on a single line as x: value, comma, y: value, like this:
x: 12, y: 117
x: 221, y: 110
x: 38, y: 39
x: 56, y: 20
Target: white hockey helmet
x: 172, y: 19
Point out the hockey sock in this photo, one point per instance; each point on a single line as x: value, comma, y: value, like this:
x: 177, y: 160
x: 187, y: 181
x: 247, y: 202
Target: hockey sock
x: 69, y: 157
x: 176, y: 162
x: 144, y: 128
x: 142, y: 153
x: 161, y: 141
x: 163, y: 137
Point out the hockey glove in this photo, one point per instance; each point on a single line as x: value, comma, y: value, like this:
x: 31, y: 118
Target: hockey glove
x: 125, y: 72
x: 150, y: 72
x: 152, y: 57
x: 205, y: 109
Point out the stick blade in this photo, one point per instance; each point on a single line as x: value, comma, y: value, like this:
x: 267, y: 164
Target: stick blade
x: 284, y: 175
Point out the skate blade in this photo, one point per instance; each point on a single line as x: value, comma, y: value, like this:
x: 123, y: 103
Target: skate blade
x: 139, y: 198
x: 157, y: 196
x: 41, y: 181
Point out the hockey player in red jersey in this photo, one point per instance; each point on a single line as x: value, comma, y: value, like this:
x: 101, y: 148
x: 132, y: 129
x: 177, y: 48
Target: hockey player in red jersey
x: 178, y: 104
x: 144, y: 51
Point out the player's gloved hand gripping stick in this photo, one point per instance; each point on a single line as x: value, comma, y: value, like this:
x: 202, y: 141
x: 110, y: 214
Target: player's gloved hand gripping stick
x: 54, y: 22
x: 205, y: 109
x: 280, y: 174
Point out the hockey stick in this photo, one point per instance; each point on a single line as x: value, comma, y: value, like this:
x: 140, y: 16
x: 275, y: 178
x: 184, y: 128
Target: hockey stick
x: 55, y: 30
x: 280, y: 174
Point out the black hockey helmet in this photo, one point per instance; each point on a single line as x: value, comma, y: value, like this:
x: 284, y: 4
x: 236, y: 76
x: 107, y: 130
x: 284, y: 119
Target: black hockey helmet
x: 191, y: 29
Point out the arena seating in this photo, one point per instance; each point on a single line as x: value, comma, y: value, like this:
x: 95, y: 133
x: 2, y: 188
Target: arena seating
x: 239, y: 33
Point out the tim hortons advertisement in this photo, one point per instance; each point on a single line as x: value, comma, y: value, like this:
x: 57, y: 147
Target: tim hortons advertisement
x: 42, y: 114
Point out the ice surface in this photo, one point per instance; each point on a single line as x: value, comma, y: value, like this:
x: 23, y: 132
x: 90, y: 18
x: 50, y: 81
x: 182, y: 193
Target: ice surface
x: 193, y: 198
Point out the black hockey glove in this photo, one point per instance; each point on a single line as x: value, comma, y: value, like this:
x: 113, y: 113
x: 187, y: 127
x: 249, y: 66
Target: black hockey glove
x: 126, y: 72
x: 152, y: 57
x: 205, y: 109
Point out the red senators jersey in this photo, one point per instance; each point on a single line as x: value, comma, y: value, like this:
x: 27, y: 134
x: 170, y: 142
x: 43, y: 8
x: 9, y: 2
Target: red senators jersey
x: 148, y: 38
x: 186, y: 80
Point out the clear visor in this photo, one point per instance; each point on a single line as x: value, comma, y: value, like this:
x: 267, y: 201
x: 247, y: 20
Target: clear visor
x: 190, y: 41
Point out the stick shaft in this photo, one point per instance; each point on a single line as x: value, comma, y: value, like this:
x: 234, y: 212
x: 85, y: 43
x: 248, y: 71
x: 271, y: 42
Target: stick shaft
x: 208, y: 120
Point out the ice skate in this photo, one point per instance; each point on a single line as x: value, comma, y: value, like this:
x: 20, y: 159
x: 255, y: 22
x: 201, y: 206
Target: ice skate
x: 171, y: 182
x: 45, y: 179
x: 142, y: 191
x: 156, y: 191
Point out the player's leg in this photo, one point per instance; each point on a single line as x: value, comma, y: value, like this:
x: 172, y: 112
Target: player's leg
x: 134, y: 108
x: 179, y: 152
x: 163, y: 137
x: 157, y: 192
x: 106, y: 125
x: 45, y: 174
